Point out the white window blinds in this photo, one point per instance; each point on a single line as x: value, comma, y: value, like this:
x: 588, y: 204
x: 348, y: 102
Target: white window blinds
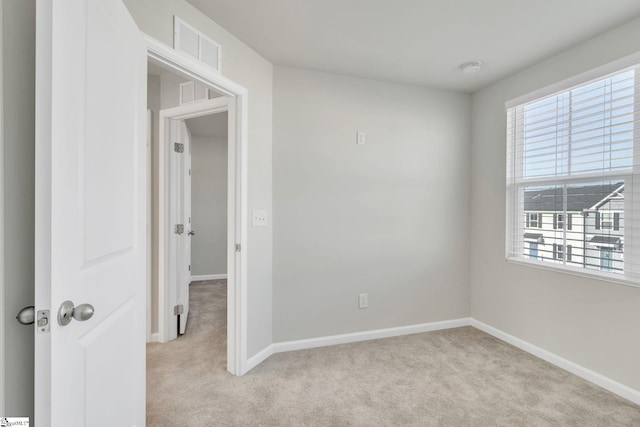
x: 576, y: 154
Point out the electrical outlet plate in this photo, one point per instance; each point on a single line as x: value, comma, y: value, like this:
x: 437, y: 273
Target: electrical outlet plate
x: 360, y: 138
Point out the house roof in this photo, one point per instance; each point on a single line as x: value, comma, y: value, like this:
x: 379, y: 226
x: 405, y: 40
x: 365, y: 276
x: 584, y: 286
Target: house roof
x: 538, y: 237
x: 606, y: 240
x: 579, y: 198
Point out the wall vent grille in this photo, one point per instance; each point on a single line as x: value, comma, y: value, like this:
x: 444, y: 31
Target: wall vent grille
x: 195, y: 44
x: 191, y: 92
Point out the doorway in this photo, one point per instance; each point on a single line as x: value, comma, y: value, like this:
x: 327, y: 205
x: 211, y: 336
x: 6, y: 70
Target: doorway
x: 174, y: 206
x: 90, y: 218
x: 194, y: 132
x: 209, y: 168
x: 230, y: 98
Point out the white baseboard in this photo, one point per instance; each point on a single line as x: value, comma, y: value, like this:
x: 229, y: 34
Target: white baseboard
x: 587, y: 374
x: 257, y: 359
x: 368, y: 335
x: 208, y: 277
x: 155, y: 337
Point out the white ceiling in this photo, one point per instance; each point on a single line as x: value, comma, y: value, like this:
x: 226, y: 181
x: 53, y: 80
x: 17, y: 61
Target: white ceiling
x: 213, y: 125
x: 156, y: 70
x: 419, y: 42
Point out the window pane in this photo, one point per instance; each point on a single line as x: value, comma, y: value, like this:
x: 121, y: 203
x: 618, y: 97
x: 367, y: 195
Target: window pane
x: 583, y: 131
x: 595, y: 239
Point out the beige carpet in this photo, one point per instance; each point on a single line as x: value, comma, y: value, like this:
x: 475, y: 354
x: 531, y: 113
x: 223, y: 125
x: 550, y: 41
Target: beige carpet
x: 457, y: 377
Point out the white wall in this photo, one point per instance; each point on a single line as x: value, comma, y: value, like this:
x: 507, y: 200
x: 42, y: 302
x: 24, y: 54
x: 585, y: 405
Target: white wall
x: 18, y: 28
x: 154, y: 99
x: 244, y: 66
x: 170, y: 89
x: 389, y: 218
x: 209, y: 205
x: 590, y: 322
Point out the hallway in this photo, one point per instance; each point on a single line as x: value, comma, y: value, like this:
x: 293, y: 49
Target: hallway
x: 179, y: 369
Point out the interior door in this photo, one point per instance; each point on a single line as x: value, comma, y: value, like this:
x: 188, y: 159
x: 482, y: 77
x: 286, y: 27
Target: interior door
x: 90, y: 215
x: 186, y: 215
x: 176, y: 224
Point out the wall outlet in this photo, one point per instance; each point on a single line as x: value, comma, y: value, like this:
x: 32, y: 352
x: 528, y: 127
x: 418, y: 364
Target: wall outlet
x: 360, y: 138
x: 363, y: 301
x: 259, y: 218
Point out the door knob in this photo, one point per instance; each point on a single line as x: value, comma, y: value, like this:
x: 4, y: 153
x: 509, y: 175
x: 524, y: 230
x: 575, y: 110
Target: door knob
x: 68, y: 311
x: 27, y: 315
x: 192, y: 233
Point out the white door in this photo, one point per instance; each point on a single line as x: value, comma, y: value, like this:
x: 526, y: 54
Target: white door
x: 186, y: 265
x: 176, y: 224
x: 180, y: 219
x: 90, y: 214
x: 189, y: 233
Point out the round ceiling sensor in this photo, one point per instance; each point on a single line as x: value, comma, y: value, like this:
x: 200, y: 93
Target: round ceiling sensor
x: 471, y: 67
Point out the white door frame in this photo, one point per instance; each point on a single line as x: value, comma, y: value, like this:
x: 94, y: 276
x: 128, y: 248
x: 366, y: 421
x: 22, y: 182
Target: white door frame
x: 150, y: 125
x: 236, y: 96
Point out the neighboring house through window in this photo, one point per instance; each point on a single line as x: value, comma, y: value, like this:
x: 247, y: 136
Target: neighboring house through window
x: 533, y: 250
x: 558, y: 252
x: 558, y: 221
x: 606, y: 259
x: 534, y: 220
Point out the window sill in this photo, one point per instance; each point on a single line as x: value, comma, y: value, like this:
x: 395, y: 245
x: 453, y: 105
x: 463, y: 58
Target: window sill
x: 606, y: 277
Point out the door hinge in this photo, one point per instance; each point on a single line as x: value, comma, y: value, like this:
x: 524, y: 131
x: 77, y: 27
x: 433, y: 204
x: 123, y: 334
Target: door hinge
x: 178, y: 310
x: 189, y: 267
x: 238, y: 247
x: 178, y: 229
x: 178, y: 147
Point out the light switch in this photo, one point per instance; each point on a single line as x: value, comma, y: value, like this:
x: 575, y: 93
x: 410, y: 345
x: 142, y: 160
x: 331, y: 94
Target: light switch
x: 259, y: 218
x: 360, y: 138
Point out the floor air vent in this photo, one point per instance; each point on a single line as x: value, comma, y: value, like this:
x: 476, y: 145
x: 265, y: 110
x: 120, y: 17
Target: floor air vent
x: 192, y: 42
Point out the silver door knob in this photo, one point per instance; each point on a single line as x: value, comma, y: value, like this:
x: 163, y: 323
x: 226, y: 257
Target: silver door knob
x: 68, y: 311
x: 27, y: 315
x: 192, y: 233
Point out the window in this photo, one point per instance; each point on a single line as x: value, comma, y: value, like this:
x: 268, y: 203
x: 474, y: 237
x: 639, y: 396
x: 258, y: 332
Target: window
x: 558, y: 221
x: 574, y: 155
x: 534, y: 220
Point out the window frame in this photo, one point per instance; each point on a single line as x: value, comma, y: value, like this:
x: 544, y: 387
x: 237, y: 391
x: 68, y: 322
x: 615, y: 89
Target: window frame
x: 531, y: 221
x: 631, y: 276
x: 559, y: 220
